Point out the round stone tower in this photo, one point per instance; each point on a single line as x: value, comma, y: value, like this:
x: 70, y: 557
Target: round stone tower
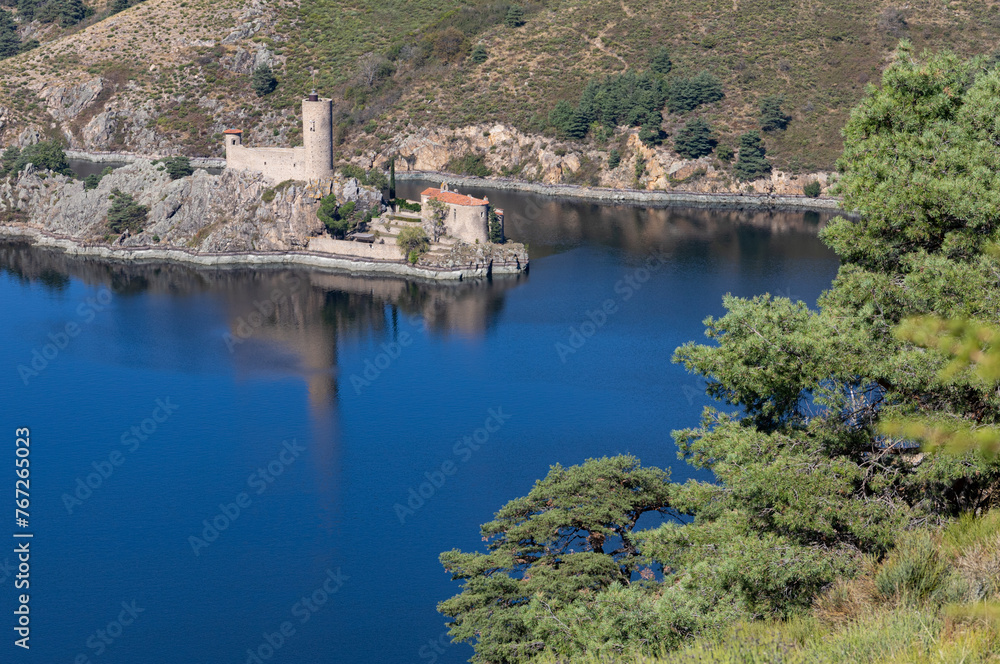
x: 317, y: 135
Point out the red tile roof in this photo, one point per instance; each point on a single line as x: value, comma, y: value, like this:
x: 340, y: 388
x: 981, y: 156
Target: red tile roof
x: 452, y: 197
x: 233, y: 131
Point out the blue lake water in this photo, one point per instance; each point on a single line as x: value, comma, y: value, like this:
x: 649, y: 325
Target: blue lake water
x: 238, y: 403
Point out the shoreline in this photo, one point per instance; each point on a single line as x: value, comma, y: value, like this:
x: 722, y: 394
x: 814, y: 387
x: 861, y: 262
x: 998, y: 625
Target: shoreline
x: 301, y: 258
x: 631, y: 196
x: 723, y: 200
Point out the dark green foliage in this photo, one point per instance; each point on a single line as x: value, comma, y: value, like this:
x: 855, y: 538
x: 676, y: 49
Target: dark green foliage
x: 121, y: 5
x: 695, y: 139
x: 660, y: 62
x: 26, y: 10
x: 496, y: 230
x: 392, y: 179
x: 178, y: 167
x: 44, y: 155
x: 413, y: 241
x: 628, y: 99
x: 126, y: 214
x: 514, y: 17
x: 614, y: 158
x: 263, y: 80
x: 10, y: 43
x: 469, y: 164
x: 338, y: 219
x: 479, y: 54
x: 29, y: 45
x: 376, y: 178
x: 725, y: 153
x: 9, y: 158
x: 941, y: 194
x: 687, y: 94
x: 812, y: 189
x: 404, y: 204
x: 916, y: 571
x: 752, y: 164
x: 772, y: 118
x: 652, y: 134
x: 569, y: 538
x: 373, y: 178
x: 72, y: 12
x: 91, y: 181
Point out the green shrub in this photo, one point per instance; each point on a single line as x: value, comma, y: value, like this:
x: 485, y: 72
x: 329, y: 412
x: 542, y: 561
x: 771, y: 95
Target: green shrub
x: 91, y: 181
x: 156, y: 238
x: 44, y: 155
x: 496, y: 230
x: 725, y: 153
x: 268, y: 195
x: 178, y: 167
x: 263, y: 80
x: 479, y: 55
x: 126, y: 214
x: 660, y: 62
x: 514, y: 17
x: 469, y: 164
x: 614, y: 158
x: 917, y: 571
x: 695, y: 139
x: 812, y: 189
x: 413, y: 241
x: 772, y: 118
x: 687, y: 94
x: 752, y: 163
x: 404, y: 204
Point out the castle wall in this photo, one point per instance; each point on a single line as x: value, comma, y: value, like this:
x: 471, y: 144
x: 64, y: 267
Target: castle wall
x: 329, y: 245
x: 311, y: 161
x: 278, y: 164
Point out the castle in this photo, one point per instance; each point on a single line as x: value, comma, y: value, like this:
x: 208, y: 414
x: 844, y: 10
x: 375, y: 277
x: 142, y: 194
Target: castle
x: 310, y: 161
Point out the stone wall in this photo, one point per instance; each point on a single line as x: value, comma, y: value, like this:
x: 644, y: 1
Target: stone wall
x: 278, y: 164
x: 383, y: 252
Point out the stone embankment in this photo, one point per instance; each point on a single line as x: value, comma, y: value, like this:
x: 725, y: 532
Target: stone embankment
x: 637, y: 196
x: 228, y: 219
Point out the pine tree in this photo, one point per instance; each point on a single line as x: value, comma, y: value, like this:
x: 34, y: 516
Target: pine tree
x: 263, y: 80
x: 752, y: 163
x: 515, y: 17
x: 772, y: 118
x: 71, y: 12
x: 695, y: 139
x: 9, y: 42
x: 660, y: 62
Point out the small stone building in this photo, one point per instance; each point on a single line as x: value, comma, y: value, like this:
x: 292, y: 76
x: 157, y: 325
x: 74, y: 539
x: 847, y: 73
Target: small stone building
x: 467, y: 218
x: 311, y: 161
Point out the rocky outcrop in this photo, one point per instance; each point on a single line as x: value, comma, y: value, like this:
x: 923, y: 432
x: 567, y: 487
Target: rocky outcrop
x: 538, y: 159
x: 232, y: 218
x: 210, y: 213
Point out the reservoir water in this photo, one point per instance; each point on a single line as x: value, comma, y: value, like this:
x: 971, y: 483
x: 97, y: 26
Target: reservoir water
x: 247, y: 461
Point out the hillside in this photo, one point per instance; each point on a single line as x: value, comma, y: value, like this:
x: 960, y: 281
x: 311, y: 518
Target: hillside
x: 162, y: 77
